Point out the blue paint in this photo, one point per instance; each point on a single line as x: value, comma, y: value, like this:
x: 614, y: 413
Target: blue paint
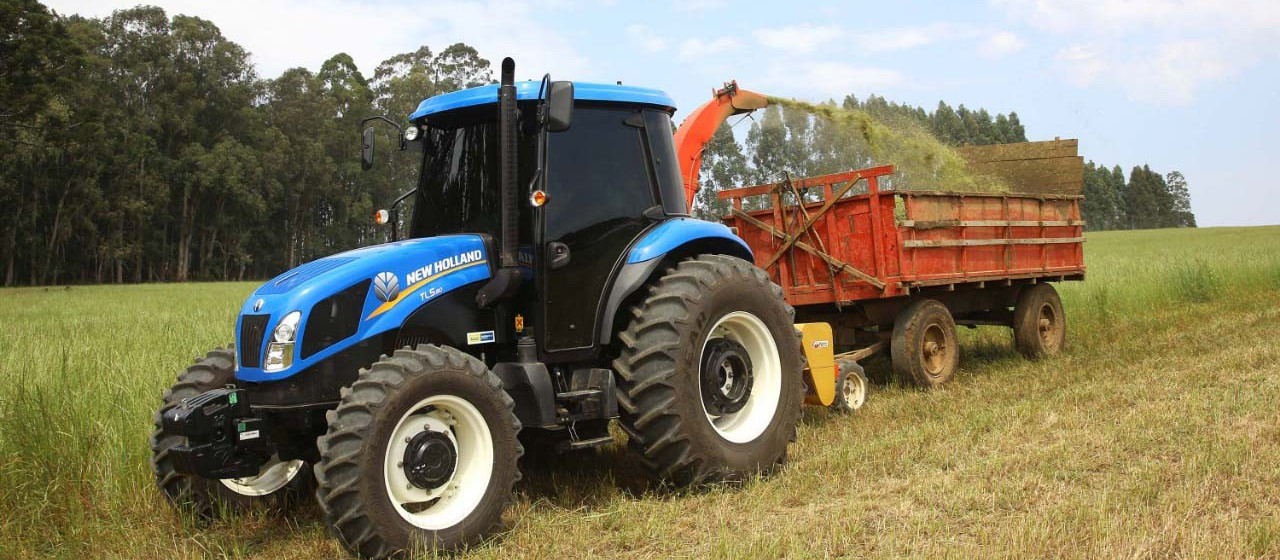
x: 675, y: 232
x: 528, y: 91
x: 301, y: 288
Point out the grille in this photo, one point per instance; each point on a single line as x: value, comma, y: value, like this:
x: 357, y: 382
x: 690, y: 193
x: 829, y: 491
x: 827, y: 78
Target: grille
x: 252, y: 330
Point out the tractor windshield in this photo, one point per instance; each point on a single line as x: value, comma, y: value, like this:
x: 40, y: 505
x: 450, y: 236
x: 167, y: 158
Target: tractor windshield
x: 458, y: 190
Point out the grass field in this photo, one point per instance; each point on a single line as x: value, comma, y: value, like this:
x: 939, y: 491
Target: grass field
x: 1155, y: 435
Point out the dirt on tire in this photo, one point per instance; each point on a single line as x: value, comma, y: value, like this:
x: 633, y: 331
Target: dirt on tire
x: 350, y: 476
x: 659, y: 363
x: 207, y: 498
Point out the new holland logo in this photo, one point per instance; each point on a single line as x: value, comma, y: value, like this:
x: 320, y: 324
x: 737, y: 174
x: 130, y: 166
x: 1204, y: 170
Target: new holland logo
x: 386, y: 286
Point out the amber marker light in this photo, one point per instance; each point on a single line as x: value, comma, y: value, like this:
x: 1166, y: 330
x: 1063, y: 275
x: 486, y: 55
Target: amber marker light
x: 537, y: 198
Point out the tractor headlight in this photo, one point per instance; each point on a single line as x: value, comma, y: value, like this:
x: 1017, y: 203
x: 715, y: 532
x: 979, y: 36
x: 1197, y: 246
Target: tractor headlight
x: 287, y: 328
x: 280, y: 350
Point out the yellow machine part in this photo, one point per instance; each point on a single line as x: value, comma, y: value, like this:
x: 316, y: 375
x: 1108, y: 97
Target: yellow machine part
x: 819, y: 349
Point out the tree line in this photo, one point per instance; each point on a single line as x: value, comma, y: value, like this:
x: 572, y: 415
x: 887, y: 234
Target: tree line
x: 1147, y: 200
x: 142, y: 147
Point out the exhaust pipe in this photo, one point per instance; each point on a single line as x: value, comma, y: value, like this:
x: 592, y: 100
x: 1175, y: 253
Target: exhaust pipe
x: 507, y: 160
x: 506, y: 280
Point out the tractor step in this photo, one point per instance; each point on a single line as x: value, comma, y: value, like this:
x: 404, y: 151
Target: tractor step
x: 581, y: 394
x: 589, y: 443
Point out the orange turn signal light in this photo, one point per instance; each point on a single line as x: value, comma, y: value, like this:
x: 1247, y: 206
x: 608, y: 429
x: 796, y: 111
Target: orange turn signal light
x: 537, y: 198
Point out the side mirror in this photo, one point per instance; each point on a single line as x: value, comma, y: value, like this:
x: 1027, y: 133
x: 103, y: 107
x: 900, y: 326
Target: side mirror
x: 560, y: 106
x: 366, y: 149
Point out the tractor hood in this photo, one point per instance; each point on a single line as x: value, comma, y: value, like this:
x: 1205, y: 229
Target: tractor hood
x: 351, y: 296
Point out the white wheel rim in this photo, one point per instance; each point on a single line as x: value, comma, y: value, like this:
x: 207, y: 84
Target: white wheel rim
x: 766, y: 367
x: 855, y: 391
x: 447, y: 505
x: 273, y: 476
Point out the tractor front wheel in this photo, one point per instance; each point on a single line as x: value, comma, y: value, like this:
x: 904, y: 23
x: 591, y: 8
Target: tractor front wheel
x: 709, y: 373
x: 421, y: 453
x: 278, y: 485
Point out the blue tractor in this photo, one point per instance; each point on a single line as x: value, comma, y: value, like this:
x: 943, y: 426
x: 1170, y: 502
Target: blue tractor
x: 551, y: 281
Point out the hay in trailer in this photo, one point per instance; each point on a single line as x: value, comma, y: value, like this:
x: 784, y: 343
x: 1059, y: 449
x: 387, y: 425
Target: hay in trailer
x: 923, y: 162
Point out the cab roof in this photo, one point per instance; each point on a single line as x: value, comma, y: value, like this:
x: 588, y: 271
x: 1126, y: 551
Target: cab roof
x: 528, y: 91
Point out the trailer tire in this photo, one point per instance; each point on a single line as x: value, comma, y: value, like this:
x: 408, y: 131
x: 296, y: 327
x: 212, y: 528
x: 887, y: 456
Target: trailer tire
x: 1039, y: 324
x: 448, y: 412
x: 281, y: 486
x: 925, y: 348
x: 851, y: 387
x: 682, y: 434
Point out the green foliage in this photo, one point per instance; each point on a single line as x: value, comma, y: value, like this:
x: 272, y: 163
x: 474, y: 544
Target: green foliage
x: 787, y: 140
x: 799, y: 139
x: 142, y: 147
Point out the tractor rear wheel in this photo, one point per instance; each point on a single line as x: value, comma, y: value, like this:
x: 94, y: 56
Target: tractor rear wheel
x: 709, y: 370
x: 278, y: 485
x: 924, y: 347
x: 421, y: 453
x: 1039, y: 325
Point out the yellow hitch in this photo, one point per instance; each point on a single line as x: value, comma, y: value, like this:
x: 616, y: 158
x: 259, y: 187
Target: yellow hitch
x: 818, y: 348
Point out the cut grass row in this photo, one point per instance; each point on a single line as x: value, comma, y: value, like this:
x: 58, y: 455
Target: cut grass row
x: 1154, y: 435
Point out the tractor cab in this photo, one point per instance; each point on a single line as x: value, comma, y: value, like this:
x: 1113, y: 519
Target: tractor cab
x: 585, y: 192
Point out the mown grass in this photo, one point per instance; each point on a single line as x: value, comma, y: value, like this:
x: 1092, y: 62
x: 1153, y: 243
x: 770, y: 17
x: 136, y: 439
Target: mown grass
x: 1154, y: 435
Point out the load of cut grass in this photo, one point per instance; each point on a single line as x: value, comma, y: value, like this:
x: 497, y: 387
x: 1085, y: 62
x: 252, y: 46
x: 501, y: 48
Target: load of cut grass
x: 923, y: 162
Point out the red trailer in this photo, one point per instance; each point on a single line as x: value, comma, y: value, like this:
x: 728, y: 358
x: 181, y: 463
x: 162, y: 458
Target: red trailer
x: 902, y: 269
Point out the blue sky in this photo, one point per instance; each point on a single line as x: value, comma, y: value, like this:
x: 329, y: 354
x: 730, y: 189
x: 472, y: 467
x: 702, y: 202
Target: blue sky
x: 1190, y: 85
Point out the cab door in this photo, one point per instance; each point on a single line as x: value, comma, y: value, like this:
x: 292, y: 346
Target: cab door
x: 599, y: 185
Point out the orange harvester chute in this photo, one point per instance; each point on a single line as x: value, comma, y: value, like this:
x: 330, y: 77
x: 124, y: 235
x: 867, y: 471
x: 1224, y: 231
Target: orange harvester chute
x: 701, y: 125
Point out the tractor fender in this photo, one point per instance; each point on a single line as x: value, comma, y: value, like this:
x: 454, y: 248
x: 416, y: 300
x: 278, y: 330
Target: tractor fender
x: 669, y: 241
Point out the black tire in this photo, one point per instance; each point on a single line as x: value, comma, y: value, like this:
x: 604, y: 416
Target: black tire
x: 924, y: 347
x: 659, y: 364
x: 851, y: 387
x: 204, y: 497
x: 1039, y: 323
x: 352, y: 484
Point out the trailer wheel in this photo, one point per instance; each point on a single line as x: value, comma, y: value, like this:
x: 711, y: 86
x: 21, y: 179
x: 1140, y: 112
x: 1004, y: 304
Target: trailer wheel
x: 279, y: 485
x: 924, y: 346
x: 709, y: 373
x: 851, y: 387
x: 421, y: 452
x: 1039, y: 325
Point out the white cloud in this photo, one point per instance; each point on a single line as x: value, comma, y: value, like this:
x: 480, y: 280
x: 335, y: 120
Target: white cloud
x: 1082, y: 64
x: 1161, y: 51
x: 699, y: 5
x: 283, y: 34
x: 692, y: 48
x: 1167, y: 74
x: 1126, y: 15
x: 645, y: 38
x: 797, y: 38
x: 1000, y: 44
x: 910, y: 37
x: 814, y: 80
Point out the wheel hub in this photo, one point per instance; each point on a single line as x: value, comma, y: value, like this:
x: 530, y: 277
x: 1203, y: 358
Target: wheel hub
x: 430, y: 459
x: 726, y: 377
